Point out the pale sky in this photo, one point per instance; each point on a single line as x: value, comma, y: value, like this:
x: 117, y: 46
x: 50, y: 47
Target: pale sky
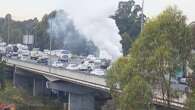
x: 25, y: 9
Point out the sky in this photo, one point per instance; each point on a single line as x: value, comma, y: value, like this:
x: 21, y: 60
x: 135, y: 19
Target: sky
x: 25, y: 9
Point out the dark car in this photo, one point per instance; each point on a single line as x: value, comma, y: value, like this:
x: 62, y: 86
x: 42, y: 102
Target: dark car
x: 105, y: 64
x: 64, y: 59
x: 33, y: 58
x: 43, y: 61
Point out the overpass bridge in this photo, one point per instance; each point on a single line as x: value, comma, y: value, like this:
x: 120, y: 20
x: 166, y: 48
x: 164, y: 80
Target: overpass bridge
x: 84, y: 90
x: 80, y: 85
x: 85, y: 79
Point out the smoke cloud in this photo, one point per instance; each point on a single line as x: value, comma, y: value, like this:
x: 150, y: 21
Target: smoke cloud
x: 93, y: 22
x: 104, y: 34
x: 65, y: 35
x: 91, y: 18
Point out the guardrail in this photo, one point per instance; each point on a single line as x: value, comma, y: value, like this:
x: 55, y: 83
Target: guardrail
x: 173, y: 104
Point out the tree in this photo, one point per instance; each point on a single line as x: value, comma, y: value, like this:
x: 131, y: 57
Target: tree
x: 126, y: 40
x: 2, y: 74
x: 191, y: 100
x: 128, y: 19
x: 192, y: 25
x: 136, y: 94
x: 129, y: 89
x: 164, y: 46
x: 152, y: 62
x: 191, y: 95
x: 191, y: 82
x: 11, y: 95
x: 64, y: 36
x: 16, y: 29
x: 41, y: 35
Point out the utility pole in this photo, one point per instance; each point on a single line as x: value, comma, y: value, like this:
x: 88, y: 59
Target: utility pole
x: 142, y: 17
x: 69, y: 101
x: 51, y: 27
x: 14, y: 76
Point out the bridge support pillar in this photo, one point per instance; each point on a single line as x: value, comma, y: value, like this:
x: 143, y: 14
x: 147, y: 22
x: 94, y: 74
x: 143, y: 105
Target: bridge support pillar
x: 14, y: 76
x: 34, y: 87
x: 81, y: 102
x: 39, y: 87
x: 31, y: 84
x: 79, y: 97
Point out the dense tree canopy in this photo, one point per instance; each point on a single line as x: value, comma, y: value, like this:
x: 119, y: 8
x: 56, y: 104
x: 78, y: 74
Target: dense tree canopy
x: 135, y: 90
x: 191, y: 96
x: 71, y: 40
x: 192, y: 25
x: 128, y: 19
x: 16, y: 28
x: 162, y: 47
x: 2, y: 75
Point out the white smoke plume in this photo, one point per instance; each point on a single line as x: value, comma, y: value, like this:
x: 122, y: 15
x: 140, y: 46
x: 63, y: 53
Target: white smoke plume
x: 104, y: 34
x: 65, y: 35
x: 94, y: 23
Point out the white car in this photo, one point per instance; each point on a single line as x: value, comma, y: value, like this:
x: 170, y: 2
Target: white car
x: 47, y: 52
x: 183, y: 81
x: 57, y: 64
x: 97, y: 61
x: 25, y: 52
x: 72, y: 67
x: 98, y: 72
x: 61, y: 53
x: 88, y: 64
x: 23, y: 58
x: 91, y: 57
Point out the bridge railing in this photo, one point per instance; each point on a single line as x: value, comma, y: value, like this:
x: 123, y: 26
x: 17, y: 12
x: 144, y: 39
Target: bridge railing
x: 173, y: 104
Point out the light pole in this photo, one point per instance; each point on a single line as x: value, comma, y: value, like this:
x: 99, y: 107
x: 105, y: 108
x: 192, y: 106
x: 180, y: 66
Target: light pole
x: 8, y: 30
x: 142, y: 17
x: 50, y: 45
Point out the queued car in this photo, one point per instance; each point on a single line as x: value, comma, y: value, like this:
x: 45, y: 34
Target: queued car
x: 64, y: 59
x: 72, y: 67
x: 58, y: 64
x: 105, y: 63
x: 99, y: 72
x: 83, y: 67
x: 43, y: 61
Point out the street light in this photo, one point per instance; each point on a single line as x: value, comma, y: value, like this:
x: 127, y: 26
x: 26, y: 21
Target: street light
x: 51, y: 30
x: 8, y: 31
